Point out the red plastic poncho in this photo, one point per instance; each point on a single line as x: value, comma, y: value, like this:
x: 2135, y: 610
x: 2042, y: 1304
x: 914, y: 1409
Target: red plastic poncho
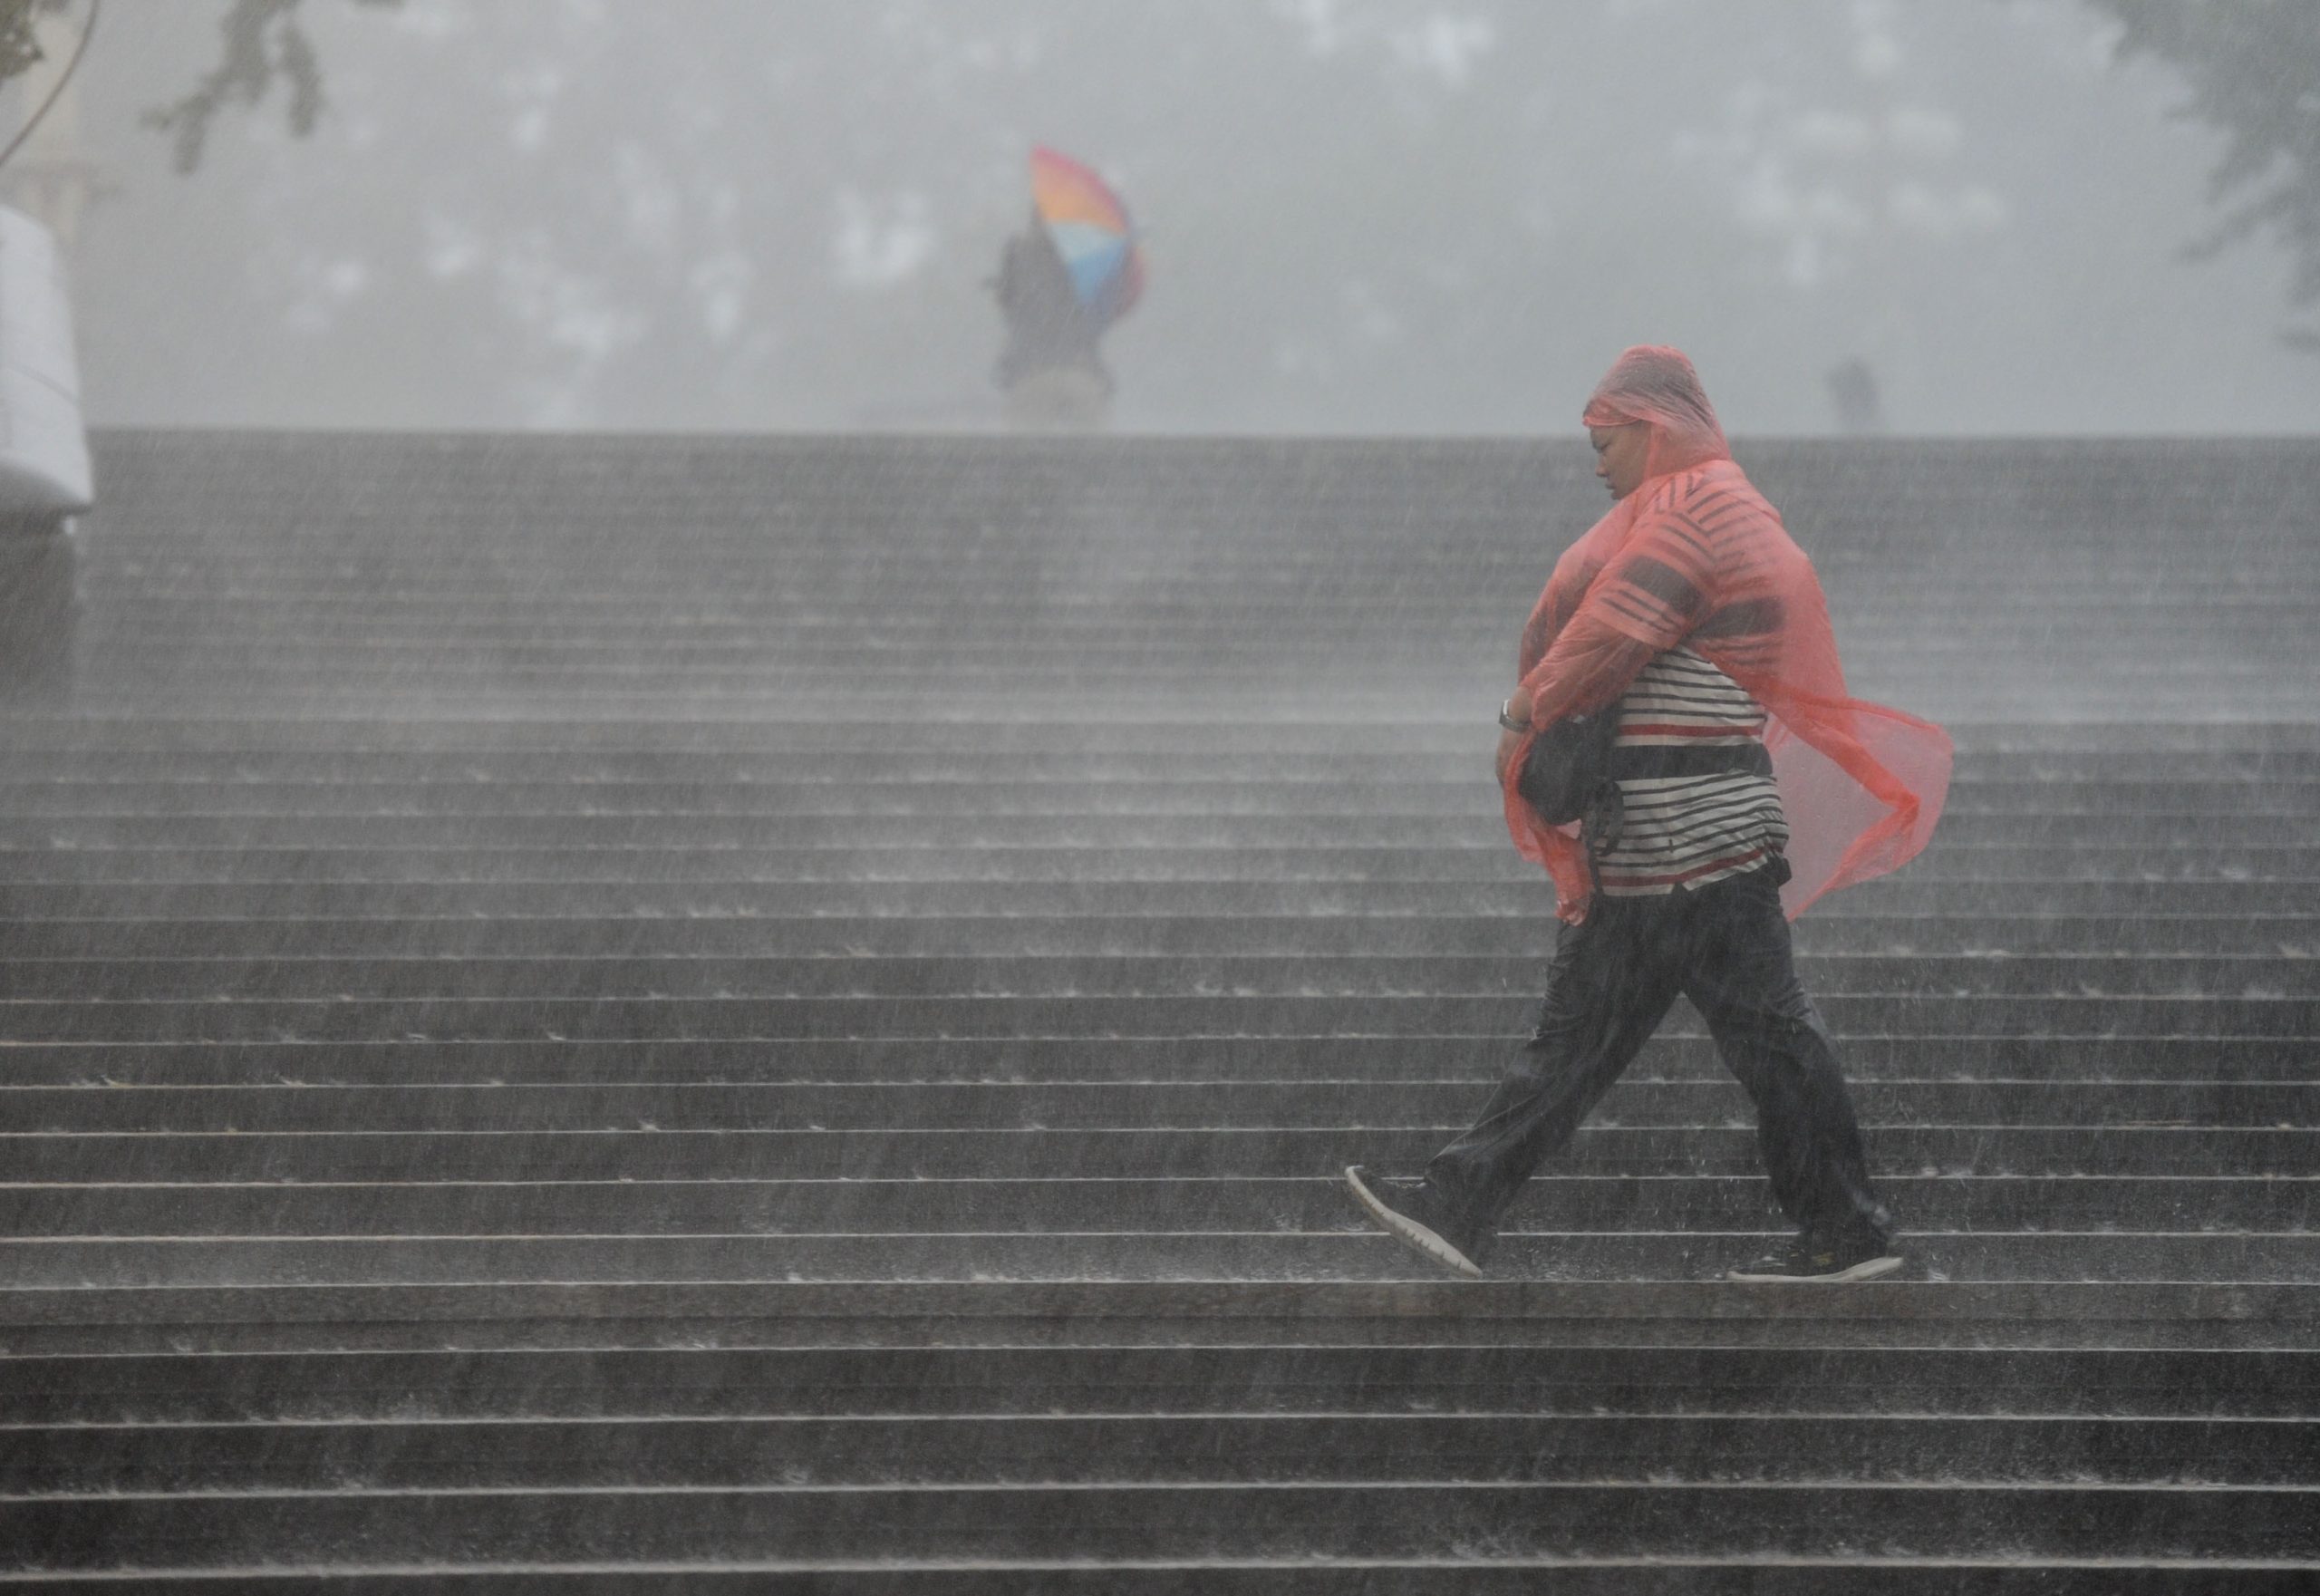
x: 1696, y: 557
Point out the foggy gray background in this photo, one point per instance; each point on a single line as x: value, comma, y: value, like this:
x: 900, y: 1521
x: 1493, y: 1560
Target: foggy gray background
x: 1363, y: 216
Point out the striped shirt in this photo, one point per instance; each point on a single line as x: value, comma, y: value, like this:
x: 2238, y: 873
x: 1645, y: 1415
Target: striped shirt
x: 1696, y: 789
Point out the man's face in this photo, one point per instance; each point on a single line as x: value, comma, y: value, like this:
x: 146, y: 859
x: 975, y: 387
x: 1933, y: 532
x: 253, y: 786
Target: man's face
x: 1619, y: 454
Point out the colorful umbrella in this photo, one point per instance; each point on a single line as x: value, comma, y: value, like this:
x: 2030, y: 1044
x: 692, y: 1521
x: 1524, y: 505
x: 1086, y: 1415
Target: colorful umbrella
x: 1091, y: 231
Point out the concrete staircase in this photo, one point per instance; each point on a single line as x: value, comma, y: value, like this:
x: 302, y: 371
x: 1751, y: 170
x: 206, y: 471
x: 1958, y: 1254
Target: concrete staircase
x: 617, y: 1014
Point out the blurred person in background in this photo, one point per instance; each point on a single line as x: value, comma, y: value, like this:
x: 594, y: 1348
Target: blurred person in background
x: 1051, y: 370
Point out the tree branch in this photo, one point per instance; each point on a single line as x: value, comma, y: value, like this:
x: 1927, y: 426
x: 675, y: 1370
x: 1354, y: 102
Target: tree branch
x: 263, y: 41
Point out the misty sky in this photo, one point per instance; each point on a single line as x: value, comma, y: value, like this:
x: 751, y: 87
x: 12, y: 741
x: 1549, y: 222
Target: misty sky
x: 1362, y: 215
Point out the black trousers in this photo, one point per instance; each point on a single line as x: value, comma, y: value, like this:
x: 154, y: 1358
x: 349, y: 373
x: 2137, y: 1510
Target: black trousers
x: 1726, y: 948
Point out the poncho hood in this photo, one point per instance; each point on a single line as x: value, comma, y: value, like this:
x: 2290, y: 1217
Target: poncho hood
x: 1657, y: 385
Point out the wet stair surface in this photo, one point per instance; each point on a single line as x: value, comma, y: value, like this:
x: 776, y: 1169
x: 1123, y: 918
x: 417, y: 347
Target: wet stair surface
x: 614, y: 1013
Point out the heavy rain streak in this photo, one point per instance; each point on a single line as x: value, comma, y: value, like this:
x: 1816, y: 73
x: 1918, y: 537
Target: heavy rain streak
x: 1006, y: 797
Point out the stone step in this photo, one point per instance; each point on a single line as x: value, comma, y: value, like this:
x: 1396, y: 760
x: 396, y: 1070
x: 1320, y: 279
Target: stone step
x: 225, y: 1018
x: 891, y: 738
x: 1261, y: 716
x: 844, y: 550
x: 1616, y: 1575
x: 309, y: 684
x: 1524, y: 898
x: 2055, y: 836
x: 992, y: 762
x: 1196, y: 1312
x: 2179, y: 671
x: 932, y: 861
x: 1679, y: 1051
x: 1445, y: 648
x: 868, y: 537
x: 743, y: 483
x: 830, y: 578
x: 2000, y: 1316
x: 888, y: 610
x: 1212, y: 1522
x: 882, y: 604
x: 1349, y: 1251
x: 1554, y: 1203
x: 646, y: 1152
x: 853, y: 556
x: 797, y: 790
x: 308, y: 679
x: 1940, y: 693
x: 610, y: 977
x: 875, y: 597
x: 1638, y: 1100
x: 771, y: 796
x: 1824, y: 933
x: 1800, y: 1377
x: 742, y: 1450
x: 796, y: 787
x: 2147, y: 939
x: 2183, y: 666
x: 889, y: 526
x: 870, y: 540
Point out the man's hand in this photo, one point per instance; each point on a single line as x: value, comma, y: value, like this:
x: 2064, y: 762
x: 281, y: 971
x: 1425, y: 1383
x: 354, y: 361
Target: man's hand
x: 1516, y: 708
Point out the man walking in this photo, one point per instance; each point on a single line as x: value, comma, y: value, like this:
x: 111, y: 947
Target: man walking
x: 1689, y: 616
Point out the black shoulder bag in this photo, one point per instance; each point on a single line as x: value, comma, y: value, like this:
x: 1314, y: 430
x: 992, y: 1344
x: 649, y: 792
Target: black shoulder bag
x: 1568, y: 777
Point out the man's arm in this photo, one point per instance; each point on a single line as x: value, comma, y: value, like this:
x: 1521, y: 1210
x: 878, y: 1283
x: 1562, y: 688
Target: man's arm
x: 1586, y: 670
x: 1649, y: 604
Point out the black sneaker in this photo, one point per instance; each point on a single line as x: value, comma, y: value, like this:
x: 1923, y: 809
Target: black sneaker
x: 1411, y: 1210
x: 1806, y: 1259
